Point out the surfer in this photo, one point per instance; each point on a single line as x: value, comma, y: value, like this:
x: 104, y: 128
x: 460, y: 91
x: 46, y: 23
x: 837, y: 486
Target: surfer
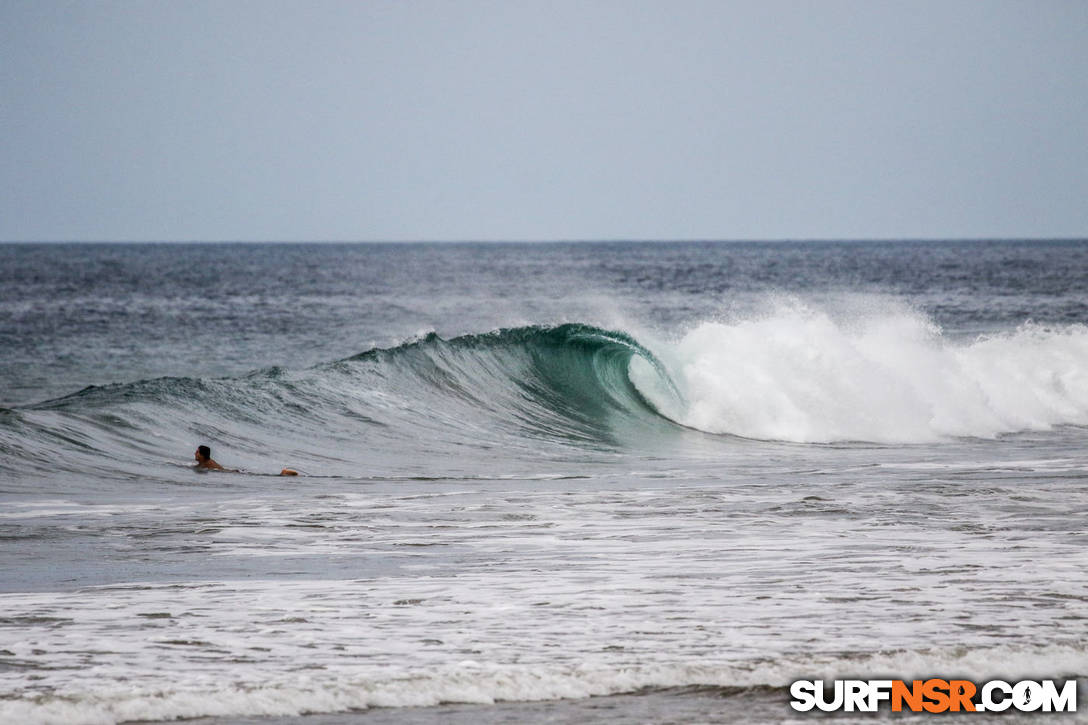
x: 205, y: 462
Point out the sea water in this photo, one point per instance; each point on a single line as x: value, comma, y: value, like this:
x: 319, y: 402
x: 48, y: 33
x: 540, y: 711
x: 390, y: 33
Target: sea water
x: 650, y: 482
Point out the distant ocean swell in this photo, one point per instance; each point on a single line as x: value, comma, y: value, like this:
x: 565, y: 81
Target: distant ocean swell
x: 796, y: 374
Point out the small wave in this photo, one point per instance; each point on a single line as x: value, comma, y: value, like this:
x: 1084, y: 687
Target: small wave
x: 487, y: 683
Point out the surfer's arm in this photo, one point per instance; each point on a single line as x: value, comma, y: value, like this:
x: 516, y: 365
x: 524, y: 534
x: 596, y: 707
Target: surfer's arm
x: 211, y: 465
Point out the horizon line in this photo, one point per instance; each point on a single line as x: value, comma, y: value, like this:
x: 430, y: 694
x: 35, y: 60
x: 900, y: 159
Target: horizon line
x: 617, y: 240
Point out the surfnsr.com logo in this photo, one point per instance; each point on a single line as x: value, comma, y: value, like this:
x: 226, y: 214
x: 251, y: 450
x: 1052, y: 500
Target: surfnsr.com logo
x: 934, y: 695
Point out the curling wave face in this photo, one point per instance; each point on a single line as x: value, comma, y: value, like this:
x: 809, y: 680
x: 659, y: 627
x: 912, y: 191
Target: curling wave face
x: 534, y: 390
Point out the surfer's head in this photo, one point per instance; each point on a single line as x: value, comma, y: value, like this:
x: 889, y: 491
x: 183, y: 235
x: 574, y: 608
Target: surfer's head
x: 203, y: 453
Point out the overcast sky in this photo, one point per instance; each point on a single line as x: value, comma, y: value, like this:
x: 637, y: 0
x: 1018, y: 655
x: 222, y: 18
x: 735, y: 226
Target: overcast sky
x: 512, y: 120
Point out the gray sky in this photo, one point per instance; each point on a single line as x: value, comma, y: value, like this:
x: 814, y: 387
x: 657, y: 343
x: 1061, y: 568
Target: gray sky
x: 542, y: 120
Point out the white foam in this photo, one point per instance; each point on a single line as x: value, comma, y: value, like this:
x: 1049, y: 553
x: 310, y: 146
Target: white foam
x: 484, y: 683
x: 58, y: 507
x: 878, y: 372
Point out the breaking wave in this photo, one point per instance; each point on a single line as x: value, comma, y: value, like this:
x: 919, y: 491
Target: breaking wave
x: 886, y: 375
x: 796, y: 374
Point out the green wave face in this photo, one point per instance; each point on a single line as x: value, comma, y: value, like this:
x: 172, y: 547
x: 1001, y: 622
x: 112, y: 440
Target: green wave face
x: 570, y: 382
x: 519, y: 392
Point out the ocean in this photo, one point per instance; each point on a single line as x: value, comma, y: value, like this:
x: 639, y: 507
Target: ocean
x: 565, y: 483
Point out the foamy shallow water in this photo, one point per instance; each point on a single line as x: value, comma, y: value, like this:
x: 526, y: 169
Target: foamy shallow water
x: 374, y: 596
